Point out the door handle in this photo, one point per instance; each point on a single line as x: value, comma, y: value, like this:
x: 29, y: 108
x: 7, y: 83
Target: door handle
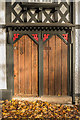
x: 14, y: 75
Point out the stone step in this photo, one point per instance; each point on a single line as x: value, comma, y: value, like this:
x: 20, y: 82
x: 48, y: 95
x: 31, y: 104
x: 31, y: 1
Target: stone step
x: 50, y: 99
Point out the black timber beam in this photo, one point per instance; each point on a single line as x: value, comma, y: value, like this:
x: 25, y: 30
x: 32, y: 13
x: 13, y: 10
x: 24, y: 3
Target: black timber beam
x: 40, y: 66
x: 39, y: 5
x: 77, y: 26
x: 37, y: 25
x: 41, y: 24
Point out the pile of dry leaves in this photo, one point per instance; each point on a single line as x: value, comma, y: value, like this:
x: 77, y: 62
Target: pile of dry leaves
x: 38, y: 109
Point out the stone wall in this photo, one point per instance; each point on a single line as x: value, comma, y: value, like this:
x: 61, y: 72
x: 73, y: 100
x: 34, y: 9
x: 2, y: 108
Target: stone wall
x: 2, y: 48
x: 77, y: 53
x: 77, y: 49
x: 2, y: 59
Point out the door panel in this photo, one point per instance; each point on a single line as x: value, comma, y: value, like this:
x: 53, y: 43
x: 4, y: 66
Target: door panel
x: 25, y: 67
x: 16, y: 69
x: 45, y: 68
x: 21, y: 64
x: 51, y: 65
x: 28, y: 63
x: 34, y: 68
x: 55, y: 67
x: 64, y: 68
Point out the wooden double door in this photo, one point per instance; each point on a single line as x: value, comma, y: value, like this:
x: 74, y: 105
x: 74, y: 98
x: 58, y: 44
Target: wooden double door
x: 26, y: 66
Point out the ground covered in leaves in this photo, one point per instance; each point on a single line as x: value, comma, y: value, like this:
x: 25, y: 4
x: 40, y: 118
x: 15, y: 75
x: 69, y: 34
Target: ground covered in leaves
x: 38, y: 109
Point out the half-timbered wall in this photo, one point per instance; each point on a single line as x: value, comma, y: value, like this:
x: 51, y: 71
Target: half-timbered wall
x: 17, y: 15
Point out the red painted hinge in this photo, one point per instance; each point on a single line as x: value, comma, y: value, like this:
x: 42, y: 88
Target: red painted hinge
x: 45, y: 36
x: 65, y: 36
x: 15, y: 36
x: 35, y: 37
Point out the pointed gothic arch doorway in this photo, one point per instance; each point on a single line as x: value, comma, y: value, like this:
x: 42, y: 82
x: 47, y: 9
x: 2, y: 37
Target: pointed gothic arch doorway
x: 25, y: 67
x: 29, y: 69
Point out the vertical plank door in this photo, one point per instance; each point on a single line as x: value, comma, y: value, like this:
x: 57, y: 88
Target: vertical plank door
x: 25, y: 67
x: 55, y: 67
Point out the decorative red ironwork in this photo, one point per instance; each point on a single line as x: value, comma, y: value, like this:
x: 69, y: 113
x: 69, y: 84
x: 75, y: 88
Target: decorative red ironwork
x: 65, y: 36
x: 35, y: 37
x: 45, y: 36
x: 15, y: 37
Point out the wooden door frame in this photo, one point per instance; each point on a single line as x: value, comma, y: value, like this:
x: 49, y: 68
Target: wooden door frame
x: 10, y: 59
